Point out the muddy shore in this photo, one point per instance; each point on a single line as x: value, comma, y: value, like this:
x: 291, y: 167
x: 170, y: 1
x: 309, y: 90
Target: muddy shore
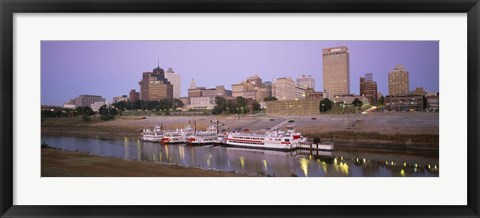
x: 385, y: 131
x: 60, y: 163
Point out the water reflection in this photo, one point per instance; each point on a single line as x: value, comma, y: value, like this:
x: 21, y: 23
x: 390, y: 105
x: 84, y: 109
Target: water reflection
x: 256, y: 162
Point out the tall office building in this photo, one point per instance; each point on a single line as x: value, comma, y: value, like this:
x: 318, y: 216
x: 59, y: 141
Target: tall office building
x: 134, y: 95
x: 175, y: 80
x: 336, y: 71
x: 368, y: 88
x: 284, y: 89
x: 398, y: 82
x: 154, y: 86
x: 306, y: 81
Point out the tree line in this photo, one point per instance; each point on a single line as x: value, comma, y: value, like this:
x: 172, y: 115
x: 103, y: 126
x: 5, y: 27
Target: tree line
x: 240, y: 105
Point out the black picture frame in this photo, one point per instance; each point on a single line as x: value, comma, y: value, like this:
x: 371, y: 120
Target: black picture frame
x: 9, y: 7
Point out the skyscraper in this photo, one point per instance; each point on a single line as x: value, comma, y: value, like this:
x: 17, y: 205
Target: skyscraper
x: 398, y: 82
x: 284, y: 89
x: 336, y: 71
x: 306, y: 81
x: 154, y: 86
x: 175, y: 80
x: 368, y: 88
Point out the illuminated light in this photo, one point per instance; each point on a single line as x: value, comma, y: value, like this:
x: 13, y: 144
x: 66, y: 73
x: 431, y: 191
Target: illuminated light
x: 402, y: 172
x: 416, y: 165
x: 357, y: 159
x: 435, y: 166
x: 304, y: 166
x: 393, y: 164
x: 242, y: 161
x: 335, y: 161
x: 404, y: 164
x: 429, y: 166
x: 265, y: 164
x: 386, y: 162
x: 364, y: 160
x: 344, y: 168
x: 341, y: 158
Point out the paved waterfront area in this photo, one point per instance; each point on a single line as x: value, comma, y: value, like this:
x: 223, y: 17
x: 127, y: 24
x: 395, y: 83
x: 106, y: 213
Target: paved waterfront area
x: 384, y: 123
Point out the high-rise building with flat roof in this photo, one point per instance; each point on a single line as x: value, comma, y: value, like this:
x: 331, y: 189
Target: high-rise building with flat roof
x: 398, y: 82
x: 175, y: 80
x: 336, y: 71
x: 306, y: 81
x: 134, y: 95
x: 368, y: 88
x: 154, y: 86
x: 284, y: 89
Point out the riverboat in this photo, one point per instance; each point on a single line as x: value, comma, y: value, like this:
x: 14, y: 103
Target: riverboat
x: 209, y: 136
x: 177, y: 136
x: 152, y: 134
x: 272, y: 139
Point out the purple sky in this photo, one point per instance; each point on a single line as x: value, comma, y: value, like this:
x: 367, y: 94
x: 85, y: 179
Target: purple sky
x: 113, y: 68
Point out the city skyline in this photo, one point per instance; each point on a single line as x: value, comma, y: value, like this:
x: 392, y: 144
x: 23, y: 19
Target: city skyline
x: 113, y: 68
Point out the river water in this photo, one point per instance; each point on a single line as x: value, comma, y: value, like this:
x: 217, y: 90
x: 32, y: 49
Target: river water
x: 254, y: 162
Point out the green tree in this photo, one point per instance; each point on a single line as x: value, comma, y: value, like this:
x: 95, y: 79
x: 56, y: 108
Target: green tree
x: 107, y: 113
x: 357, y: 103
x: 137, y: 105
x: 79, y: 111
x: 221, y: 103
x: 325, y: 105
x: 241, y: 104
x: 381, y: 100
x: 256, y: 106
x: 177, y: 103
x: 216, y: 110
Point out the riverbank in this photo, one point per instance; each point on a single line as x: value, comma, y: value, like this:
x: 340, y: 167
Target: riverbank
x: 60, y: 163
x: 386, y: 131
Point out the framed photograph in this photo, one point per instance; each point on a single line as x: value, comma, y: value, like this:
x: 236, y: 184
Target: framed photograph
x: 239, y: 109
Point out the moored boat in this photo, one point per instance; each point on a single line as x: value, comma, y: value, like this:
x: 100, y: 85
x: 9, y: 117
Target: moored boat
x: 177, y: 136
x: 272, y: 139
x: 152, y: 134
x: 209, y: 136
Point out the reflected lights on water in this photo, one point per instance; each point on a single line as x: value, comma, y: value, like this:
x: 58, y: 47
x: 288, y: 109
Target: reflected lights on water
x: 304, y: 166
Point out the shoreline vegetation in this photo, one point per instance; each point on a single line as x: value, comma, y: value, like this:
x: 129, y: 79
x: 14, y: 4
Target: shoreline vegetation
x: 411, y: 131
